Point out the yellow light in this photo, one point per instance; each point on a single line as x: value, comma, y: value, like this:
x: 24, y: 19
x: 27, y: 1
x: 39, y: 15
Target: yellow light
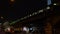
x: 12, y: 0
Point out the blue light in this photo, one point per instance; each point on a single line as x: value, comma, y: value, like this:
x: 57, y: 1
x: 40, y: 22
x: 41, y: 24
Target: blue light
x: 48, y: 2
x: 31, y: 28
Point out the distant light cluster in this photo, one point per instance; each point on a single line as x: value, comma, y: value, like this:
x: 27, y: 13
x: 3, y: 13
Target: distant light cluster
x: 32, y: 14
x: 35, y: 13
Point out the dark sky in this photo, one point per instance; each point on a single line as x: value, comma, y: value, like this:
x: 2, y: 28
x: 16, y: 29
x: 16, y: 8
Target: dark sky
x: 20, y: 8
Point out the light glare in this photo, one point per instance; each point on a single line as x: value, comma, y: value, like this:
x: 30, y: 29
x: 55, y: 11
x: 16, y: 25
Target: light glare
x: 54, y: 4
x: 48, y: 7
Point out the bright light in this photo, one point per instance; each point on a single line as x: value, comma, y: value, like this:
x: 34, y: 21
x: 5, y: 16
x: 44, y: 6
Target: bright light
x: 24, y: 29
x: 8, y: 29
x: 31, y: 28
x: 54, y: 4
x: 40, y: 10
x: 48, y: 7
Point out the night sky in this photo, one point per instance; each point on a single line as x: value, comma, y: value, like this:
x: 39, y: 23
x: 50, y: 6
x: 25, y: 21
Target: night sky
x: 20, y: 8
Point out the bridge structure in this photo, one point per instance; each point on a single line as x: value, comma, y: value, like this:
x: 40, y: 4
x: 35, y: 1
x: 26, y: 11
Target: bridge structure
x: 35, y: 15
